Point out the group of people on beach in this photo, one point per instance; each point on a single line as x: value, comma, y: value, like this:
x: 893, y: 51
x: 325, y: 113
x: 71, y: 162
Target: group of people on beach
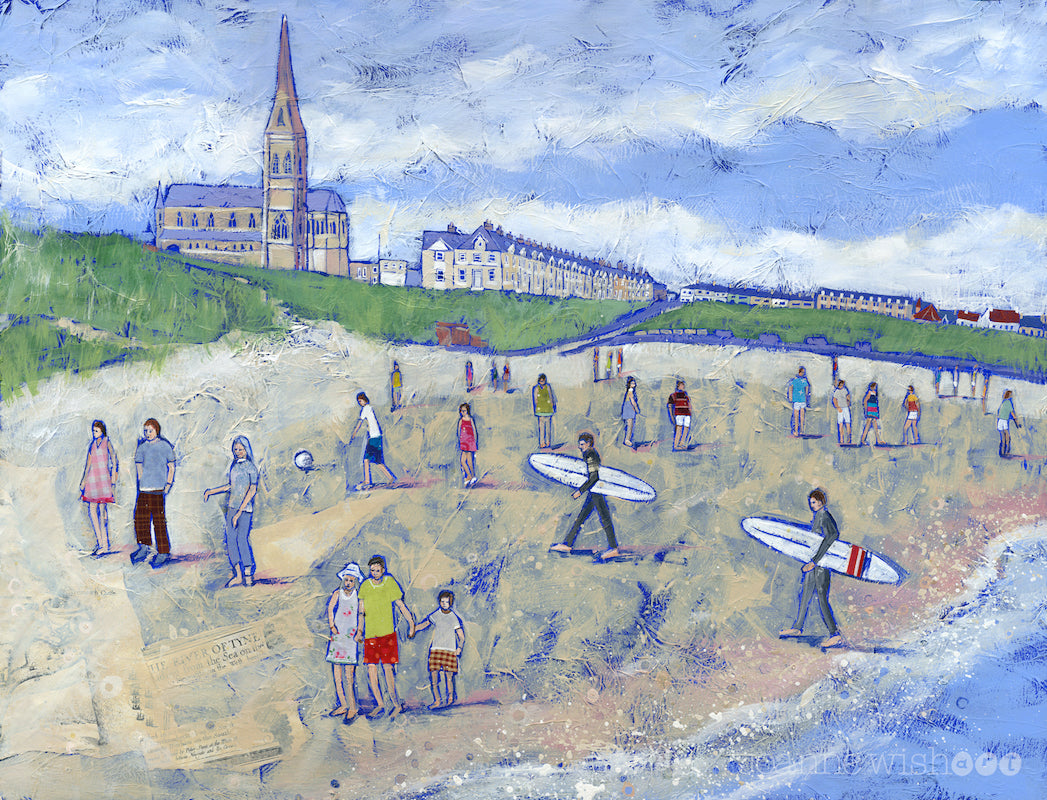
x: 155, y: 467
x: 798, y: 391
x: 363, y: 612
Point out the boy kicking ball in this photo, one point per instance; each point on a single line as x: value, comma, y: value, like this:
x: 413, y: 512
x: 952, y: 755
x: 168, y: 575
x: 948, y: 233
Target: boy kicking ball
x: 446, y: 647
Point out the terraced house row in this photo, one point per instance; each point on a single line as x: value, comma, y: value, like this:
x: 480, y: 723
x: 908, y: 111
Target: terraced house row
x: 490, y: 259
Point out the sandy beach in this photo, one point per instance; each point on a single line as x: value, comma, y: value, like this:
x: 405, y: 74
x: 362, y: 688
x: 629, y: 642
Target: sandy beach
x: 109, y: 665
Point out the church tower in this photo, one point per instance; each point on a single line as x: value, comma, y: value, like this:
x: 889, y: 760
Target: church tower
x: 284, y: 190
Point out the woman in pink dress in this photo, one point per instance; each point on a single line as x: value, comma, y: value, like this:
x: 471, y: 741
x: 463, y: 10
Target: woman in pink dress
x: 98, y: 485
x: 467, y: 443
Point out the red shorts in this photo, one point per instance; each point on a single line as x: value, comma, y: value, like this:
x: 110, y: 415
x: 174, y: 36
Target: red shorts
x: 381, y: 650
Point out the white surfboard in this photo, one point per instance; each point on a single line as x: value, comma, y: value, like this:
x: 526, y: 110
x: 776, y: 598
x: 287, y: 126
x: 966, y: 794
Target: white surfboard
x: 800, y: 542
x: 572, y: 472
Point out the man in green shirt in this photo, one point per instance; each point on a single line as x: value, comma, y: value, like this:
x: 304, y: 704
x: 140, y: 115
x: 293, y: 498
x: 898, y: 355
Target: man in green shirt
x: 378, y: 595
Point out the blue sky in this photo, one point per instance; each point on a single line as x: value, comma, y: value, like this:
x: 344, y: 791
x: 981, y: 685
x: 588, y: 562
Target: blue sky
x: 891, y: 146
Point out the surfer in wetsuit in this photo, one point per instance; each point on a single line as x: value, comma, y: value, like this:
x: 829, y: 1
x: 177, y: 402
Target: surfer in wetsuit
x: 587, y: 444
x: 816, y: 578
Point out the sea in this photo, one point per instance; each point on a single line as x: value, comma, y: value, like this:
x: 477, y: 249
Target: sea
x: 954, y: 709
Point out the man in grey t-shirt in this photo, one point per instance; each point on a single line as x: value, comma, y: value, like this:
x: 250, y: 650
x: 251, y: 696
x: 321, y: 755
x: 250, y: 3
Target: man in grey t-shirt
x: 155, y: 466
x: 842, y: 403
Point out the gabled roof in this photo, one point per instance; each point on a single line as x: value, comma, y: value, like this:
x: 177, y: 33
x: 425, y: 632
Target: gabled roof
x: 194, y: 195
x: 969, y: 316
x: 1004, y: 316
x: 926, y: 312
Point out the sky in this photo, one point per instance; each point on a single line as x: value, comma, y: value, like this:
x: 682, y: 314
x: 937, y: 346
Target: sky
x: 887, y: 146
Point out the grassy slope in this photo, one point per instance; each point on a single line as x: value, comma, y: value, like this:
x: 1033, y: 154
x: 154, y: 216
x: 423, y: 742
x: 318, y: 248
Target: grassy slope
x: 504, y: 321
x: 884, y: 334
x: 136, y: 304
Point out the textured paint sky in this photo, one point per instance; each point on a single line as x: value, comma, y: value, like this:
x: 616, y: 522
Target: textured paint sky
x: 893, y: 146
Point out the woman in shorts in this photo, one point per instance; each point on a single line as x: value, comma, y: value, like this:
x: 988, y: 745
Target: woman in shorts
x: 911, y: 404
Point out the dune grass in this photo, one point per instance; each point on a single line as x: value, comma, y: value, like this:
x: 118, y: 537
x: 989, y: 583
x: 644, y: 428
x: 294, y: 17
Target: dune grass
x: 884, y: 334
x: 74, y: 302
x: 504, y: 321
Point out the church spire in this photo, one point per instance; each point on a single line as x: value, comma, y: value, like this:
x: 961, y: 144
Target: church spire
x: 284, y: 118
x: 285, y: 171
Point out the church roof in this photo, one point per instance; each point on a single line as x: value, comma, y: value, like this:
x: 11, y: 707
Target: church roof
x: 324, y: 200
x: 194, y: 195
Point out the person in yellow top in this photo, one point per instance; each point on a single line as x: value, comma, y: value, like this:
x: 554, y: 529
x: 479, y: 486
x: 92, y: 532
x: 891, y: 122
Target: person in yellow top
x: 543, y: 399
x: 396, y: 380
x: 379, y: 594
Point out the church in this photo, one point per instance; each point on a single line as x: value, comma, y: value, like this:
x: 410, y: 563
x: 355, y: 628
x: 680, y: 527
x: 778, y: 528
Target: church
x: 282, y: 225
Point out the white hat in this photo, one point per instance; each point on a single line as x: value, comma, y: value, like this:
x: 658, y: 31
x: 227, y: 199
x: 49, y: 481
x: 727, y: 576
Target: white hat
x: 351, y: 569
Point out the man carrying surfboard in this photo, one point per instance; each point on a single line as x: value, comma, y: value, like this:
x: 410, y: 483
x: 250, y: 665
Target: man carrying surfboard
x: 816, y: 578
x: 587, y: 444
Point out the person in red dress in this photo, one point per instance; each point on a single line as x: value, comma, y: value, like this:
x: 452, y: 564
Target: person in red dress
x: 467, y: 443
x: 98, y: 484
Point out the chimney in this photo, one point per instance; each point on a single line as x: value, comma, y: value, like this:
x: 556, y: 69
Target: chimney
x: 488, y: 225
x: 451, y: 228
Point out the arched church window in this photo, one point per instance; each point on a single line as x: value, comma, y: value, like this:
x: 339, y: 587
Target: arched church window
x: 275, y: 170
x: 251, y: 222
x: 210, y: 220
x: 179, y: 222
x: 194, y: 222
x: 280, y: 227
x: 232, y: 220
x: 287, y: 163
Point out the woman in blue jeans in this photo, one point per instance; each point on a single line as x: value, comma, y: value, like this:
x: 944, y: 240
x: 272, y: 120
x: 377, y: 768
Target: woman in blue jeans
x: 241, y: 487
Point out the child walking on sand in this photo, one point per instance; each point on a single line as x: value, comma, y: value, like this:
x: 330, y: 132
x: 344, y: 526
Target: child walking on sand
x: 445, y: 649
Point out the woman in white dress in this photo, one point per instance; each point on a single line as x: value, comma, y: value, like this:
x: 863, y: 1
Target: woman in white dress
x: 343, y: 617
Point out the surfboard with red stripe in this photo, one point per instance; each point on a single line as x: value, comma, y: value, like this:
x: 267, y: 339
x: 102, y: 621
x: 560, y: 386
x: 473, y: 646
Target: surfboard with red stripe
x: 798, y: 541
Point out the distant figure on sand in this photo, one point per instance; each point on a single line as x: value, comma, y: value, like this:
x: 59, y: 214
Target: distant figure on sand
x: 343, y: 619
x: 679, y: 408
x: 799, y: 392
x: 630, y: 410
x: 396, y: 380
x: 1004, y: 416
x: 242, y: 487
x: 98, y: 484
x: 871, y: 409
x: 911, y: 405
x: 543, y: 400
x: 155, y: 468
x: 494, y: 377
x: 842, y: 403
x: 506, y: 377
x: 445, y: 648
x: 374, y: 453
x: 610, y: 363
x: 985, y: 390
x: 815, y: 579
x: 621, y: 354
x: 467, y: 444
x: 596, y: 365
x: 468, y: 376
x: 586, y: 444
x: 379, y: 595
